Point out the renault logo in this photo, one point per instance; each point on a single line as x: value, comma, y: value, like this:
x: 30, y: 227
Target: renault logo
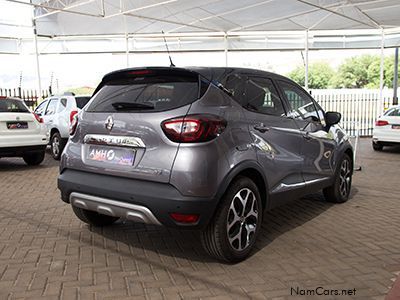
x: 109, y: 123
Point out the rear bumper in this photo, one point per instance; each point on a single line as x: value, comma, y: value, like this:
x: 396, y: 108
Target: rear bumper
x: 138, y: 200
x: 21, y: 150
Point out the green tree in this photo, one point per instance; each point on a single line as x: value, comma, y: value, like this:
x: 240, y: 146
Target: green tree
x: 319, y: 75
x: 364, y: 72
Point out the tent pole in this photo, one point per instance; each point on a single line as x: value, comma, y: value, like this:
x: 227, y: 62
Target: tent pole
x: 396, y: 76
x: 381, y: 104
x: 127, y: 49
x: 39, y: 82
x: 226, y: 49
x: 306, y: 61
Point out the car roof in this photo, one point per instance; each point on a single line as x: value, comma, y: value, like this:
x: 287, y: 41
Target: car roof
x: 211, y: 73
x: 11, y: 98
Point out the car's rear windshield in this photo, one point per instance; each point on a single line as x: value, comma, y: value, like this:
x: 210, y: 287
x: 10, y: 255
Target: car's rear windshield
x: 146, y: 93
x: 13, y: 105
x: 81, y: 101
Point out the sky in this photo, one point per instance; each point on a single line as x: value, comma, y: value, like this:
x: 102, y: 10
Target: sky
x: 73, y: 70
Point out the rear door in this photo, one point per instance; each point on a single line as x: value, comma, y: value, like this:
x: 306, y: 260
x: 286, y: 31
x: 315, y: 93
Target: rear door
x: 276, y: 137
x: 120, y: 132
x: 318, y: 146
x: 50, y: 113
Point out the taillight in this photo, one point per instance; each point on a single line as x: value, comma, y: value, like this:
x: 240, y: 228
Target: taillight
x: 72, y: 114
x: 73, y: 122
x: 381, y: 123
x: 39, y: 119
x: 193, y: 128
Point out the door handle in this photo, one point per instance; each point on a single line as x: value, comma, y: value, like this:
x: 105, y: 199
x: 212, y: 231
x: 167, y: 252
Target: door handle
x: 261, y: 128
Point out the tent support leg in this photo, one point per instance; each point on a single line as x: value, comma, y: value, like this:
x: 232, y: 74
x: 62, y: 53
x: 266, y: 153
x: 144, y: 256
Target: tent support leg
x: 39, y: 81
x: 396, y: 76
x: 127, y: 49
x: 381, y: 104
x: 306, y: 61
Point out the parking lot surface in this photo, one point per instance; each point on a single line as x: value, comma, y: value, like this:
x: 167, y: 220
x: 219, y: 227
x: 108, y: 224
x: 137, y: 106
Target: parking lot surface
x: 47, y: 253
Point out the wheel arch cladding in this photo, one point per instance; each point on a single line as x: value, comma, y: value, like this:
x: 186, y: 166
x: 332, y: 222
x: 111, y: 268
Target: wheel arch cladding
x: 53, y: 130
x: 251, y: 170
x: 350, y: 153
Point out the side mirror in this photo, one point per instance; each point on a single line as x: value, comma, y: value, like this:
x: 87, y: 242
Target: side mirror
x: 332, y: 118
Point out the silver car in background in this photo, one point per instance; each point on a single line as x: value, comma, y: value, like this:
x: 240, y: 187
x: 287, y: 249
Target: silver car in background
x: 201, y: 148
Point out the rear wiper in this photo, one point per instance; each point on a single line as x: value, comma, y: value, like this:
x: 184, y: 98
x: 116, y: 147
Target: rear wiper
x: 131, y: 106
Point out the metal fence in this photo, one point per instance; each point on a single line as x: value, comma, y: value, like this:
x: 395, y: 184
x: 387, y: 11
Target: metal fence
x: 359, y: 107
x: 31, y: 97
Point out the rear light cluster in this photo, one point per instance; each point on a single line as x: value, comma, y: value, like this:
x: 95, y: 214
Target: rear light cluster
x: 381, y: 123
x: 193, y: 128
x: 38, y: 118
x: 73, y: 121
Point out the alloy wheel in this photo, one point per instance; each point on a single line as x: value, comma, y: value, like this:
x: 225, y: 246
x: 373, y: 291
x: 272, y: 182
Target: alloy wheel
x: 345, y: 178
x: 242, y: 219
x: 55, y: 146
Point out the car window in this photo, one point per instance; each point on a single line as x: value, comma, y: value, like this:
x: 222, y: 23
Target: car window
x: 302, y: 106
x: 81, y: 101
x: 41, y: 108
x: 159, y: 92
x: 12, y: 105
x: 236, y: 85
x: 51, y: 108
x: 63, y: 104
x: 262, y: 97
x: 394, y: 113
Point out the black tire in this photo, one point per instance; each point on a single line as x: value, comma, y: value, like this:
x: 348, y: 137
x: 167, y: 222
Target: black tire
x: 377, y: 146
x: 57, y: 145
x: 34, y: 159
x: 339, y: 192
x: 93, y: 218
x: 215, y: 238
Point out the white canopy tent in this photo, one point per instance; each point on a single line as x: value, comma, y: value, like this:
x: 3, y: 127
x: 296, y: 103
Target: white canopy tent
x: 130, y: 26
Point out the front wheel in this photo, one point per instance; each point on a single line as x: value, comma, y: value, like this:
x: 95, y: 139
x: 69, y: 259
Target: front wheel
x: 339, y: 192
x: 34, y: 159
x: 232, y: 233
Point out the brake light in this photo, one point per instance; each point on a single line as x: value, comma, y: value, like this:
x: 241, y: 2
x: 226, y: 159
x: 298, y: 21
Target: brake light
x: 74, y: 122
x: 381, y: 123
x: 39, y: 119
x: 71, y: 115
x: 184, y: 218
x: 193, y: 128
x: 140, y: 72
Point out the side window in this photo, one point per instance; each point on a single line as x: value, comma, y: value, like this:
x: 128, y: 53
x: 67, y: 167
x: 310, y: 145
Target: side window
x: 236, y: 85
x: 302, y: 105
x: 262, y: 97
x: 51, y: 108
x: 394, y: 113
x: 63, y: 104
x: 41, y: 108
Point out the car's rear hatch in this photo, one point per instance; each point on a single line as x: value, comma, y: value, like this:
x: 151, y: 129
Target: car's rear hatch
x: 16, y: 119
x: 119, y: 132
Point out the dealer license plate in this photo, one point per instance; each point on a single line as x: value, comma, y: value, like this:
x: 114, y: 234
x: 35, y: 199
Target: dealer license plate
x: 113, y: 156
x: 17, y: 125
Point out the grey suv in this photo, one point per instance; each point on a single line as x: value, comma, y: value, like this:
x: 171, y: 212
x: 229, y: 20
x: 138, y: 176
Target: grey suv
x: 201, y: 148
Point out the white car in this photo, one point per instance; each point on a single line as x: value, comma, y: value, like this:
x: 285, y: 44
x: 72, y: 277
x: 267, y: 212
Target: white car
x: 387, y: 129
x: 22, y: 133
x: 57, y: 113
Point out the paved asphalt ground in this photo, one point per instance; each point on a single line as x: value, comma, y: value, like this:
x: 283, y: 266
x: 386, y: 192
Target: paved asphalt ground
x: 47, y: 253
